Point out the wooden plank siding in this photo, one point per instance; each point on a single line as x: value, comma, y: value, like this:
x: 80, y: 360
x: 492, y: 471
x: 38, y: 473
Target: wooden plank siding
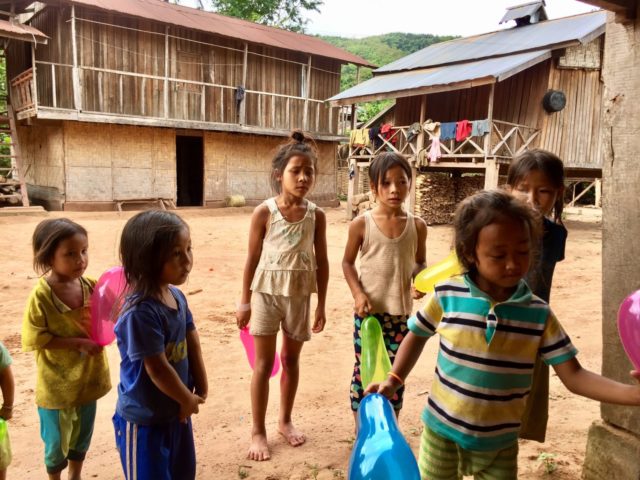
x: 121, y: 63
x: 574, y: 133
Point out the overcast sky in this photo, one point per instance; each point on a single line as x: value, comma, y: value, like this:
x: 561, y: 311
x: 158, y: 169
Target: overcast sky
x: 361, y: 18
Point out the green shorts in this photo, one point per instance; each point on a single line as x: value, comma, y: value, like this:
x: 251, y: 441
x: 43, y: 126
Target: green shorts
x: 442, y: 459
x: 66, y: 434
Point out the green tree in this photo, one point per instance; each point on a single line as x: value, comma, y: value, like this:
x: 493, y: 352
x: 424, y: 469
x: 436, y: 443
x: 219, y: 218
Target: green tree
x: 286, y: 14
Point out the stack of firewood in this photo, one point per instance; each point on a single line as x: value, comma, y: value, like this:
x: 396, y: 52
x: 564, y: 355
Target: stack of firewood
x: 362, y: 202
x: 467, y: 186
x: 9, y: 192
x: 435, y: 197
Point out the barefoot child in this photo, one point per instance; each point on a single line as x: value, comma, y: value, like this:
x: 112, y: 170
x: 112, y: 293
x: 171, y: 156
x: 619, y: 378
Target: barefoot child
x: 491, y: 330
x: 72, y: 369
x: 391, y: 242
x: 162, y: 374
x: 537, y: 177
x: 7, y: 387
x: 286, y: 263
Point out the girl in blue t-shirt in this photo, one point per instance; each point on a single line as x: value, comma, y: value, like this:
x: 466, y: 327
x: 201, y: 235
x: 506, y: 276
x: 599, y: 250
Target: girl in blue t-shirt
x: 537, y: 177
x: 162, y: 374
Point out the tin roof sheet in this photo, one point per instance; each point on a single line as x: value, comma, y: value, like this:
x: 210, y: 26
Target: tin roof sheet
x: 524, y: 10
x: 23, y: 32
x: 558, y: 33
x: 437, y: 79
x: 226, y: 26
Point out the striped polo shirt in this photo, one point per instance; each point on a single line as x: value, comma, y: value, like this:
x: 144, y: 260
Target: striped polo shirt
x: 485, y: 360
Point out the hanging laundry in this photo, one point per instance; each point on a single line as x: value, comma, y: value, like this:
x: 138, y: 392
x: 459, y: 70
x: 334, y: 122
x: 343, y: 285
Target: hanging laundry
x: 359, y: 138
x: 480, y: 128
x: 463, y: 130
x: 374, y: 137
x: 387, y: 132
x: 413, y: 132
x: 434, y: 152
x: 447, y: 131
x: 432, y: 128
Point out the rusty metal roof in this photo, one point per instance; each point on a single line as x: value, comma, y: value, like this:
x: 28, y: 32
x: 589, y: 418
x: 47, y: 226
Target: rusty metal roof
x: 23, y: 32
x: 439, y: 79
x: 553, y: 34
x: 225, y: 26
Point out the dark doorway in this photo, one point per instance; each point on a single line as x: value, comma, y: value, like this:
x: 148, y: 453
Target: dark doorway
x: 190, y: 171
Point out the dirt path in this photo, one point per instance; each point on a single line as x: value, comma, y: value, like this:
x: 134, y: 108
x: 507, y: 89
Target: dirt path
x: 322, y: 408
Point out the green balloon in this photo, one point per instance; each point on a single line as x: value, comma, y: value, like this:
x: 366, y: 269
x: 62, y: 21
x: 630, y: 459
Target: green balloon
x: 374, y: 359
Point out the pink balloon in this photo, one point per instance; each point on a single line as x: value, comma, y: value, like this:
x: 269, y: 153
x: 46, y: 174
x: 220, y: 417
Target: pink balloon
x: 249, y: 348
x: 629, y: 327
x: 106, y: 299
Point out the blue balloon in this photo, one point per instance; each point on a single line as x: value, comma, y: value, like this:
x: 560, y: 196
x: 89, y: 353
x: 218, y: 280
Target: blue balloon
x: 380, y: 451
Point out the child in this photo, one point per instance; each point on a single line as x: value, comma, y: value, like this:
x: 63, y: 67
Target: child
x: 537, y: 177
x: 391, y: 242
x: 6, y: 412
x: 72, y: 369
x: 287, y: 262
x: 162, y: 374
x: 491, y: 330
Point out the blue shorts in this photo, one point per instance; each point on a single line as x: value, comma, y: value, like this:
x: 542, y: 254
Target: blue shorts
x: 66, y: 434
x: 156, y: 452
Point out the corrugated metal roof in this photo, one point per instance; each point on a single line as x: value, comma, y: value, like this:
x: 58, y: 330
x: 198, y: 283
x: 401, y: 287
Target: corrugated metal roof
x: 23, y: 32
x: 437, y: 79
x: 226, y: 26
x: 552, y: 34
x: 525, y: 10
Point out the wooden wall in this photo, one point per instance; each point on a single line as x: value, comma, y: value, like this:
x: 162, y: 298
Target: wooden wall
x: 123, y: 68
x: 574, y: 132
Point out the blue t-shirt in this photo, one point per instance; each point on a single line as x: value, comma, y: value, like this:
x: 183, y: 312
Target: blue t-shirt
x: 151, y: 328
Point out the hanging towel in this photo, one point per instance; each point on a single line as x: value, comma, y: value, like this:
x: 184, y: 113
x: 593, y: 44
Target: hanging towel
x: 463, y: 130
x: 432, y: 127
x: 360, y: 137
x: 414, y: 130
x: 434, y: 151
x: 447, y: 131
x: 480, y: 128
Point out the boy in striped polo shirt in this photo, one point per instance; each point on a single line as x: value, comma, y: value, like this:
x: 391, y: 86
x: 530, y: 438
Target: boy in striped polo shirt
x: 491, y: 330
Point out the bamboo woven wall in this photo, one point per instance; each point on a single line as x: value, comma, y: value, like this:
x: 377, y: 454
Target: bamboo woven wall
x: 42, y: 152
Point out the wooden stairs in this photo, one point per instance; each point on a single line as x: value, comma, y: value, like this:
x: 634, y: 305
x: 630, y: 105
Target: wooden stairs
x: 12, y: 184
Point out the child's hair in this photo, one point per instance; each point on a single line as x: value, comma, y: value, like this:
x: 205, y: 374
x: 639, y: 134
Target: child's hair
x: 547, y: 163
x: 385, y: 161
x: 145, y: 246
x: 299, y: 144
x: 484, y: 208
x: 46, y: 238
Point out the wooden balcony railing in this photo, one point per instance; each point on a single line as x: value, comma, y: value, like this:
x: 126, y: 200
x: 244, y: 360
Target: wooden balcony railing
x: 22, y: 94
x: 504, y: 142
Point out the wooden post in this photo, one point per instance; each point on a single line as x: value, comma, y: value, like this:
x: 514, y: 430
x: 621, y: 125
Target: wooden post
x: 487, y: 138
x: 305, y: 110
x: 243, y: 105
x: 410, y: 204
x: 491, y: 174
x: 352, y: 189
x: 34, y: 81
x: 598, y: 203
x: 53, y: 85
x: 77, y: 93
x: 165, y: 99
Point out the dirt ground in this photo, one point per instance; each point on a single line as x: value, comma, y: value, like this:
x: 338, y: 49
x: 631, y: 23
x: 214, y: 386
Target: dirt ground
x: 322, y: 408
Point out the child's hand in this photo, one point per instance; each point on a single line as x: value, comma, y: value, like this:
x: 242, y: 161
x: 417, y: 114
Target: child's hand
x: 243, y: 317
x: 416, y: 294
x: 88, y: 346
x: 320, y: 321
x: 6, y: 412
x: 388, y: 388
x: 191, y: 407
x: 362, y: 306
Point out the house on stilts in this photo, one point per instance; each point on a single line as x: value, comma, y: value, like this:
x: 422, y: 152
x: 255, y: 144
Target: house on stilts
x: 142, y: 100
x: 535, y: 84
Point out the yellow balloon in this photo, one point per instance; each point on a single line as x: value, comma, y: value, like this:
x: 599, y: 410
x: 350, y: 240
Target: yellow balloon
x: 426, y: 280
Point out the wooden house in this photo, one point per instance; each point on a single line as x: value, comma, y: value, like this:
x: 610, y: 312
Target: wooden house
x: 536, y: 84
x: 142, y: 100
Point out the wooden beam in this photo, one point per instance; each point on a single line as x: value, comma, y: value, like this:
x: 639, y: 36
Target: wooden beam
x: 243, y: 105
x: 77, y: 93
x: 352, y: 188
x: 165, y: 82
x: 34, y: 82
x: 305, y: 109
x: 619, y: 7
x: 487, y: 137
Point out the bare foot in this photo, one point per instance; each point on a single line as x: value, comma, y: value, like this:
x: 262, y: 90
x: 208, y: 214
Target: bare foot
x: 259, y: 449
x: 293, y: 436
